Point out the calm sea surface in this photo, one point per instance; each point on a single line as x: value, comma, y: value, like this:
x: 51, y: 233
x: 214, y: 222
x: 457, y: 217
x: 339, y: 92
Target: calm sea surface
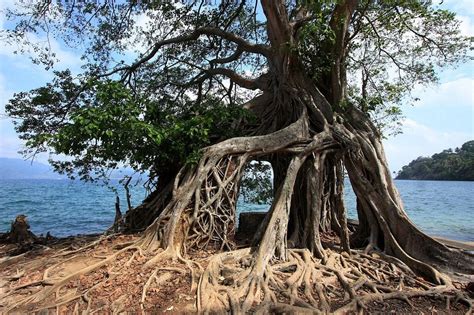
x: 63, y: 207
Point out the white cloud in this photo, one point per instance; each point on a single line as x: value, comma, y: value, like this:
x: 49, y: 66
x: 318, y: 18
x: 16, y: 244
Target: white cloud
x: 464, y: 10
x: 4, y: 4
x: 151, y: 25
x: 17, y: 73
x: 65, y: 58
x: 459, y: 92
x: 420, y: 140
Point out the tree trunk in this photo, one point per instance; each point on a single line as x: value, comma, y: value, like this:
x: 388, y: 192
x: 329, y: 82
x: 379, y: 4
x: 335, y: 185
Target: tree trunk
x: 309, y: 135
x: 308, y: 138
x: 382, y: 210
x: 20, y: 232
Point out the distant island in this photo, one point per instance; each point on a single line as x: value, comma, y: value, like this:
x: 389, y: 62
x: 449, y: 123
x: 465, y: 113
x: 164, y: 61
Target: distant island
x: 457, y: 164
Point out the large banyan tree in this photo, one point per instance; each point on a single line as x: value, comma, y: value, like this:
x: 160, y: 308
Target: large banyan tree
x: 196, y: 92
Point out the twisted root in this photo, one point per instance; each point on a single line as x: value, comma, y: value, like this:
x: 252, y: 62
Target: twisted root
x: 343, y: 283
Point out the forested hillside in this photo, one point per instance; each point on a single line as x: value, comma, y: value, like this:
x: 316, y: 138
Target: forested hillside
x: 447, y: 165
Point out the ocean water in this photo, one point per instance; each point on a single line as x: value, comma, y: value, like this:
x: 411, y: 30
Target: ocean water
x: 63, y: 207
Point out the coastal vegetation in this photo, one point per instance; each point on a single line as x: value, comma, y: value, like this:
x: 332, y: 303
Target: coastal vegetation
x: 216, y: 88
x: 457, y: 164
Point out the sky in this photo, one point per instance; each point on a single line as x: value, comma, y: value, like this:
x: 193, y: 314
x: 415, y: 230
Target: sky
x: 443, y: 118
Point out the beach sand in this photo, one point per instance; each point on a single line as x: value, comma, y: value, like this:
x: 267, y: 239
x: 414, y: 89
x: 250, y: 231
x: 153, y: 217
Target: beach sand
x: 469, y: 246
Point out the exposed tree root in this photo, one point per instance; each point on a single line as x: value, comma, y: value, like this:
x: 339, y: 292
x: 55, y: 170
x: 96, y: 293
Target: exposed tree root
x: 344, y: 283
x: 55, y: 286
x: 309, y: 131
x: 231, y: 281
x: 53, y: 290
x: 269, y: 276
x: 89, y: 245
x: 197, y: 213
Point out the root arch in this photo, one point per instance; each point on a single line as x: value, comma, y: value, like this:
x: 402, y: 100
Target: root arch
x: 288, y: 268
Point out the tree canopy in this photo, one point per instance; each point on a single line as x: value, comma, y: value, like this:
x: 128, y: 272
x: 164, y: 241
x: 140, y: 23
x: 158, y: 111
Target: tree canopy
x: 217, y: 88
x: 158, y: 74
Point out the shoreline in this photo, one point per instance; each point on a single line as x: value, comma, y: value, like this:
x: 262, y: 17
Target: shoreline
x: 464, y: 245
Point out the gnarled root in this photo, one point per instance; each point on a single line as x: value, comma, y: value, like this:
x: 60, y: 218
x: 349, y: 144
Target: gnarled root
x: 343, y: 283
x: 74, y: 283
x: 58, y: 286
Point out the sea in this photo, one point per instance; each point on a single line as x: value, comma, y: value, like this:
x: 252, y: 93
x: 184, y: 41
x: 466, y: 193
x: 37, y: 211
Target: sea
x: 64, y: 207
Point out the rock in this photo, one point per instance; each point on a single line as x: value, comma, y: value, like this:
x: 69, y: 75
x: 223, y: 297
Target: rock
x: 248, y: 224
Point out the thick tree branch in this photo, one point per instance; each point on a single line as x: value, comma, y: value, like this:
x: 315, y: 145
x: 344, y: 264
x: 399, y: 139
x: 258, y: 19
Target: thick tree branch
x: 251, y: 84
x: 278, y: 26
x: 228, y: 59
x: 242, y: 45
x: 297, y: 24
x: 339, y: 23
x: 241, y: 42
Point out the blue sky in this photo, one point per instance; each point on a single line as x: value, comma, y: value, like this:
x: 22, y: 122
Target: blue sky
x: 443, y: 118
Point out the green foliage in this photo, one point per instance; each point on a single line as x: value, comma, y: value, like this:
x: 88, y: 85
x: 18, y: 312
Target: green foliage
x: 118, y: 126
x: 391, y: 48
x: 256, y: 184
x: 155, y: 117
x: 315, y: 38
x: 447, y: 165
x: 397, y: 46
x: 387, y: 116
x: 157, y: 111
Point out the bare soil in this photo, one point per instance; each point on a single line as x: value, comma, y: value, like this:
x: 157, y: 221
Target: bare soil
x: 113, y: 285
x: 118, y: 286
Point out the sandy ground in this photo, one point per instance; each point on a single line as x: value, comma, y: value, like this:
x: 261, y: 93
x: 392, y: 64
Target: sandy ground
x: 469, y: 246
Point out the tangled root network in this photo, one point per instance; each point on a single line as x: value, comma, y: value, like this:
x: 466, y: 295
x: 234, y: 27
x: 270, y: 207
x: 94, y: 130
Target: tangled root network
x: 342, y: 283
x: 114, y: 275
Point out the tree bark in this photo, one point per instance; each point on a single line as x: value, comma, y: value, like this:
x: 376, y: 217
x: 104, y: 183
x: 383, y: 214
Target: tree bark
x: 309, y: 139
